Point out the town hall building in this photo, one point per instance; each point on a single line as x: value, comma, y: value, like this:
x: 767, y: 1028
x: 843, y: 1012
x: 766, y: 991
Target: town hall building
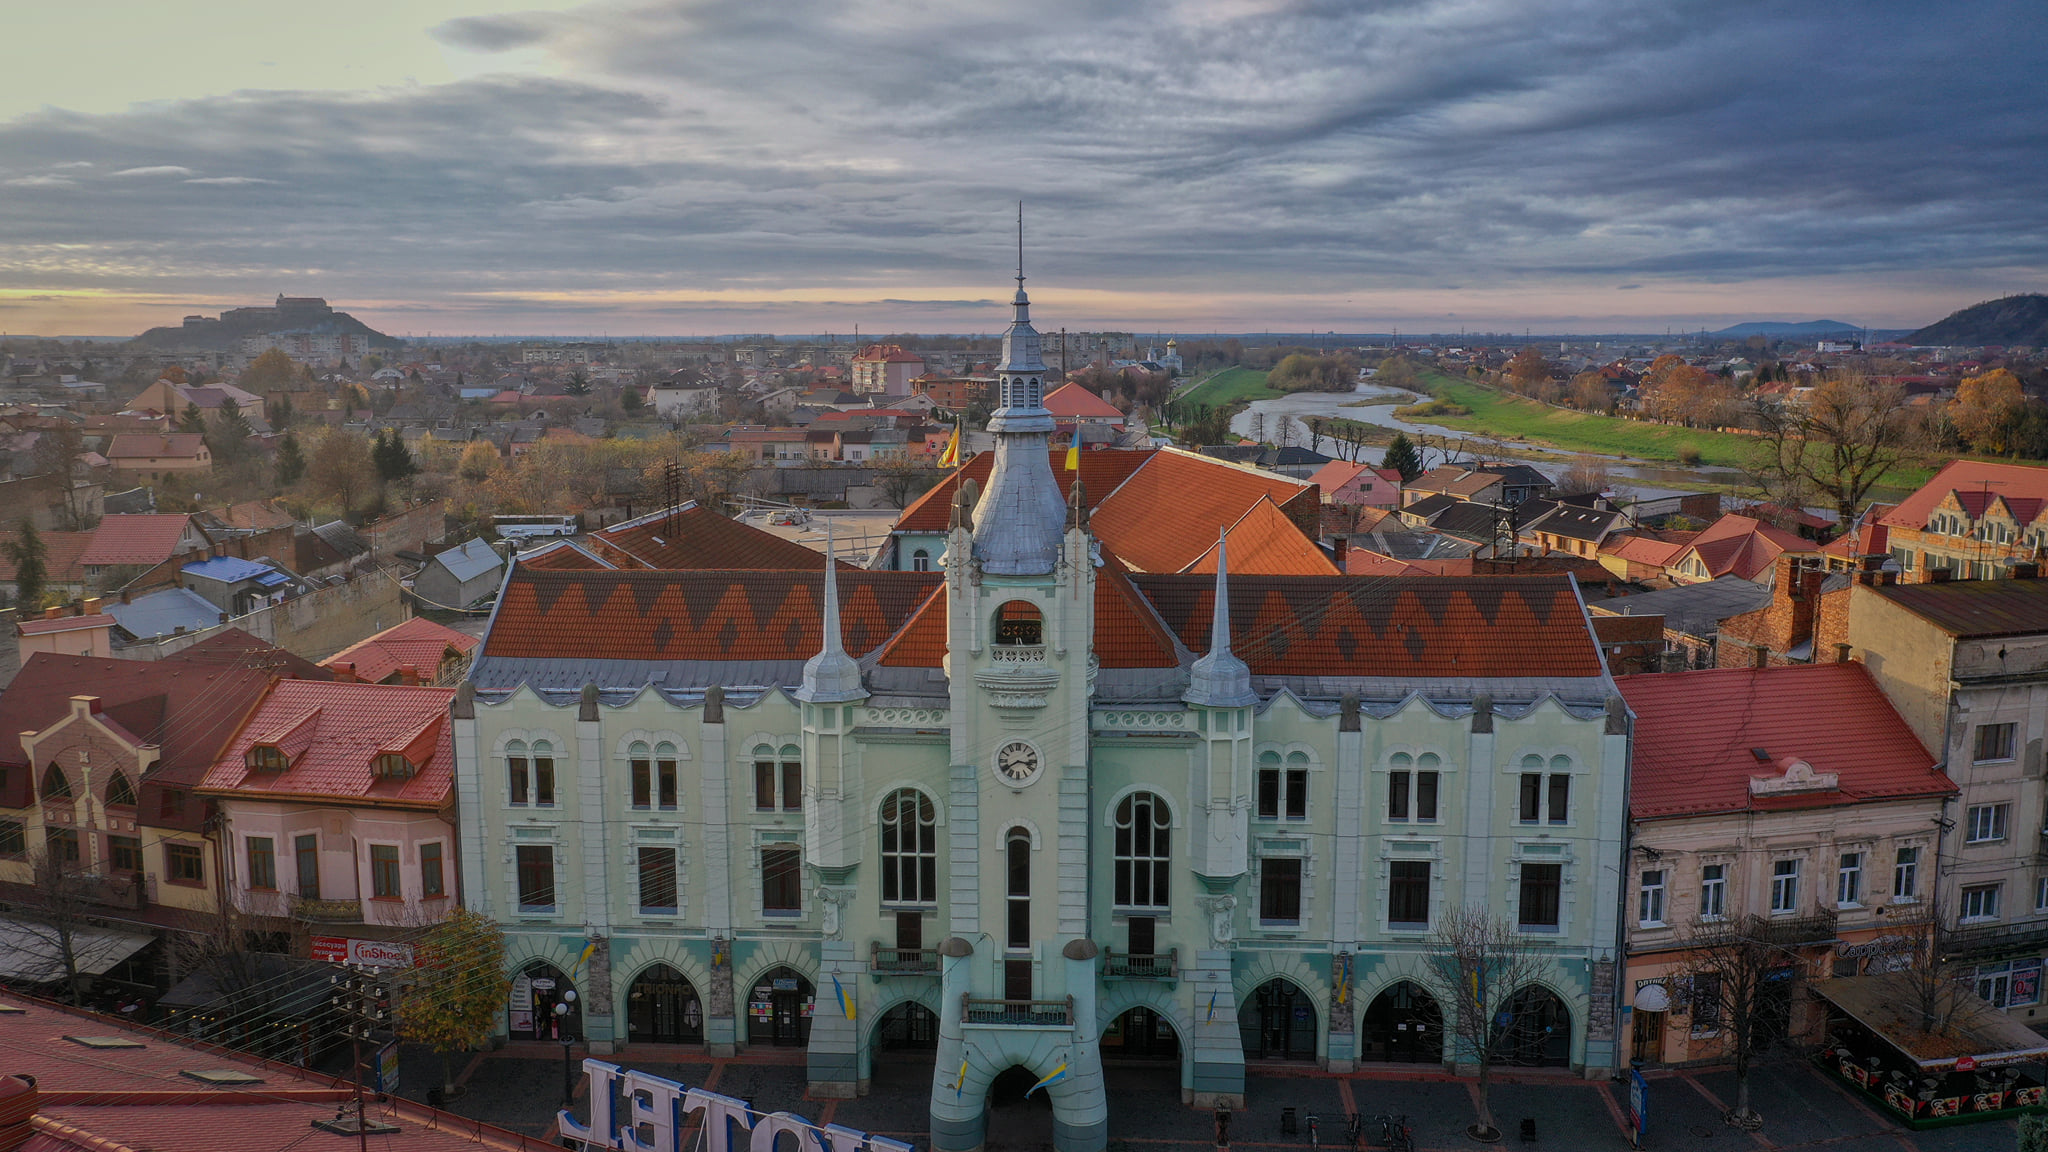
x: 1033, y: 809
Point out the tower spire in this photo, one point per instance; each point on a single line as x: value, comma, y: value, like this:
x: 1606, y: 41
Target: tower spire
x: 1219, y: 679
x: 1020, y: 247
x: 831, y: 677
x: 1017, y: 527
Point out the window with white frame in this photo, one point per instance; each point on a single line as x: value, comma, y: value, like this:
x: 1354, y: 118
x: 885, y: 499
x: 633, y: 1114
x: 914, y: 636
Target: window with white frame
x: 657, y: 881
x: 1408, y: 894
x: 1988, y: 822
x: 1650, y: 899
x: 1545, y: 798
x: 530, y: 774
x: 1283, y: 786
x: 779, y: 778
x: 1980, y: 902
x: 1412, y: 787
x: 1143, y: 851
x: 654, y: 775
x: 910, y: 848
x: 1906, y: 875
x: 1784, y: 887
x: 1849, y: 879
x: 1713, y: 891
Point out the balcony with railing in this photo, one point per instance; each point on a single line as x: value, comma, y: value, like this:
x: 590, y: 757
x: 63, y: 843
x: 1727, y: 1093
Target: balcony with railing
x: 978, y: 1012
x: 902, y: 961
x: 1160, y: 966
x: 327, y: 911
x: 1794, y: 931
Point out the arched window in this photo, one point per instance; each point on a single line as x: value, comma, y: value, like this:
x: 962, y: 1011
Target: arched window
x: 1019, y: 623
x: 778, y: 778
x: 1283, y: 791
x: 910, y: 848
x: 530, y: 773
x: 1017, y: 889
x: 120, y: 791
x: 921, y: 561
x: 665, y: 775
x: 641, y: 758
x: 1144, y: 831
x: 55, y: 785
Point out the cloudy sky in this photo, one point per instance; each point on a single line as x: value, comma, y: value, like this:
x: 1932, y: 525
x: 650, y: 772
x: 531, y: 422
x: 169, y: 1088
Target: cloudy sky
x: 711, y: 166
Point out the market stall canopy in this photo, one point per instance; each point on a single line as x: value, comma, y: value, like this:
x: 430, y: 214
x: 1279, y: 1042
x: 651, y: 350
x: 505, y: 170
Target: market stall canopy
x: 30, y: 953
x: 1884, y: 1004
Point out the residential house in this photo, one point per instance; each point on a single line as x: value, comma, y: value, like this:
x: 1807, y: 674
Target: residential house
x: 1070, y: 403
x: 1347, y: 482
x: 1692, y: 615
x: 1572, y: 528
x: 1975, y: 519
x: 1966, y: 664
x: 1739, y: 546
x: 680, y: 399
x: 1795, y: 795
x: 956, y: 393
x: 1639, y: 557
x: 885, y: 370
x: 419, y: 651
x: 780, y: 447
x: 236, y: 586
x: 155, y: 455
x: 334, y: 802
x: 461, y: 576
x: 87, y: 632
x: 141, y: 542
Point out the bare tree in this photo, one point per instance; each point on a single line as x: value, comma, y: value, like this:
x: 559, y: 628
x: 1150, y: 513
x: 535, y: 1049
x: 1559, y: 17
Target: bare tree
x: 1258, y: 426
x: 1838, y: 444
x: 1481, y: 962
x: 1586, y: 474
x: 57, y: 906
x: 1741, y: 973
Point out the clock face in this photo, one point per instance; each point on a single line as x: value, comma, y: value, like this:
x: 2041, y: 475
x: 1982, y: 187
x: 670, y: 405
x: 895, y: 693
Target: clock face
x: 1017, y: 762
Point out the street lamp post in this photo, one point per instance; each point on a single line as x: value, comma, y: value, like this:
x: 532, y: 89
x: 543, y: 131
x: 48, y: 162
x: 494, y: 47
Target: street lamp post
x: 563, y: 1007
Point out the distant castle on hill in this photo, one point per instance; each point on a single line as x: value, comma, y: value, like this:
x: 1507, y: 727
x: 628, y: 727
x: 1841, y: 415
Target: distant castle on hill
x: 308, y: 316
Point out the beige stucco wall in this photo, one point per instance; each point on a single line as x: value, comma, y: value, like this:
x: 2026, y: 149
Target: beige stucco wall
x: 1908, y: 657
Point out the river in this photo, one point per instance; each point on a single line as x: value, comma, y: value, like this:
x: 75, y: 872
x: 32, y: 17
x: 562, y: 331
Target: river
x: 1648, y: 479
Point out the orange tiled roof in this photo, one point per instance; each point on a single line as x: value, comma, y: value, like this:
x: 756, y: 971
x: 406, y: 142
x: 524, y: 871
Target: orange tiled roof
x: 1974, y: 482
x: 1642, y: 550
x: 562, y: 554
x: 1166, y: 515
x: 1101, y: 473
x: 334, y: 733
x: 1265, y: 541
x: 1075, y: 402
x: 696, y: 537
x: 696, y: 615
x: 1128, y: 633
x: 1463, y: 626
x: 1737, y: 545
x: 419, y: 642
x: 135, y: 538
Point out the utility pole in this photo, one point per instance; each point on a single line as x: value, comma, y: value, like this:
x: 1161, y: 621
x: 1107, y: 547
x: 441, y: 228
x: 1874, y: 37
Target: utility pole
x: 363, y: 1001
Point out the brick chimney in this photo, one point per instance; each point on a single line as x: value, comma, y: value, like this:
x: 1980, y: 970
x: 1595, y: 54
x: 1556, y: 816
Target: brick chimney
x: 18, y: 1106
x: 409, y: 674
x: 1762, y: 656
x: 1842, y: 653
x: 345, y: 673
x: 92, y: 605
x: 1340, y: 546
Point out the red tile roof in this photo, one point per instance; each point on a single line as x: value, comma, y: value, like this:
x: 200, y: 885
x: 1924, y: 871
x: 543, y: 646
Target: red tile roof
x: 922, y: 642
x: 1695, y: 731
x: 1870, y: 536
x: 1265, y: 541
x: 135, y: 539
x: 61, y: 557
x: 1101, y: 472
x: 65, y: 624
x: 1167, y: 514
x: 1128, y: 633
x: 695, y: 615
x: 419, y: 642
x: 191, y: 709
x: 334, y: 732
x: 130, y: 445
x: 1337, y: 473
x: 1737, y: 545
x: 696, y: 537
x: 1075, y: 402
x: 1974, y: 482
x: 562, y: 554
x: 1642, y: 550
x: 1464, y: 626
x: 235, y: 648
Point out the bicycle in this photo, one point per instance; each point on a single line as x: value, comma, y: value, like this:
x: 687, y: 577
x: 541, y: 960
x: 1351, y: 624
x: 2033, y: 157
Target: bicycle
x: 1313, y: 1140
x: 1401, y: 1138
x: 1354, y: 1129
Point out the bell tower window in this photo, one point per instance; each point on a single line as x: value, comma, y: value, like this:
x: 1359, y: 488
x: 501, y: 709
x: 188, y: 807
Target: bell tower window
x: 1018, y: 623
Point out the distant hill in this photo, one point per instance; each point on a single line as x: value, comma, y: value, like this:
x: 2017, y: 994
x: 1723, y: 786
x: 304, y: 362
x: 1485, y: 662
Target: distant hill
x: 288, y: 314
x: 1786, y: 328
x: 2021, y: 320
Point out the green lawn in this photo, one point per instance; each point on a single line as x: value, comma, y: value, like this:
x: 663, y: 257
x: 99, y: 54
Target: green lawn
x: 1229, y: 387
x: 1511, y: 417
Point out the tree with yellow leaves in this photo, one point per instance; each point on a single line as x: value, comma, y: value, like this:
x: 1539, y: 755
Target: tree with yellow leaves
x: 455, y: 987
x: 1987, y: 409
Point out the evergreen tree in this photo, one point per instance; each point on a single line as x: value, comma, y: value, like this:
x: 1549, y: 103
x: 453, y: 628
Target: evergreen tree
x: 578, y: 385
x: 31, y: 566
x: 229, y: 435
x: 631, y: 400
x: 394, y: 460
x: 194, y: 420
x: 291, y: 460
x: 1402, y: 457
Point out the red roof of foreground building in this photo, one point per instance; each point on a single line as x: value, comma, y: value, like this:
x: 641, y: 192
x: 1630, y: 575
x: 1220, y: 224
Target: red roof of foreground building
x: 1742, y: 546
x: 189, y: 708
x: 135, y: 538
x: 1265, y: 541
x: 1462, y: 626
x: 1871, y: 536
x: 696, y: 615
x: 418, y: 642
x: 334, y: 733
x: 1165, y: 517
x: 1101, y: 472
x: 145, y: 1097
x: 1975, y: 483
x: 1700, y: 737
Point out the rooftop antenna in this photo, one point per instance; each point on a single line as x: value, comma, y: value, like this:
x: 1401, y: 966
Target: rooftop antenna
x: 1020, y: 245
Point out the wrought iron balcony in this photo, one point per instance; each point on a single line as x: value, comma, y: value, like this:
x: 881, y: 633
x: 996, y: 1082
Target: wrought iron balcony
x: 1161, y: 966
x: 901, y: 961
x: 328, y: 911
x: 1017, y: 1013
x: 1792, y: 931
x: 1993, y: 940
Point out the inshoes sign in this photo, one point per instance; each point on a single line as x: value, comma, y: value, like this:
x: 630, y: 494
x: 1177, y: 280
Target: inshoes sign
x: 637, y: 1112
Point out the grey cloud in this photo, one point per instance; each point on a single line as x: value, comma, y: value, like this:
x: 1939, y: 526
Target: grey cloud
x: 1320, y: 147
x: 156, y: 170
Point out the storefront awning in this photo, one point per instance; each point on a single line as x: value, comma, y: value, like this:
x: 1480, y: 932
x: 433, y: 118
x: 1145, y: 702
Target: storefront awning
x: 1884, y: 1004
x: 30, y: 953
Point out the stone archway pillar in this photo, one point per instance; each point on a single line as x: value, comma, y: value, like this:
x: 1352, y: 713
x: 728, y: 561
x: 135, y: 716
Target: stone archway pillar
x: 721, y: 1030
x: 1080, y: 1117
x: 959, y: 1090
x: 1215, y: 1047
x: 834, y: 1051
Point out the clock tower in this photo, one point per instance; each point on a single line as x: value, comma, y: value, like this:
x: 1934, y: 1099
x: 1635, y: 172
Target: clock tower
x: 1020, y: 587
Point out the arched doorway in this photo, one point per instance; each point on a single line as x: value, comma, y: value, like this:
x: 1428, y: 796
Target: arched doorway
x: 1014, y: 1121
x: 535, y: 991
x: 909, y: 1027
x: 1538, y: 1029
x: 779, y: 1007
x: 1405, y: 1025
x: 1141, y: 1033
x: 1280, y: 1024
x: 662, y: 1008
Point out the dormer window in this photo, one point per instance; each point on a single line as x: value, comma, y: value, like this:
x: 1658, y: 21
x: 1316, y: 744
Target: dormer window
x: 267, y: 758
x: 394, y: 766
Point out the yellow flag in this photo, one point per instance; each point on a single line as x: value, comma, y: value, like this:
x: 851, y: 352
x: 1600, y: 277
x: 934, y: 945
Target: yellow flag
x: 1074, y: 456
x: 950, y: 458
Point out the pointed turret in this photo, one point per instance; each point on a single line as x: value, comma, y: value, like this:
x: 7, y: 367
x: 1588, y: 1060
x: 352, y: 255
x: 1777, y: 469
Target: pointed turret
x: 1017, y: 528
x: 1219, y: 679
x: 831, y: 677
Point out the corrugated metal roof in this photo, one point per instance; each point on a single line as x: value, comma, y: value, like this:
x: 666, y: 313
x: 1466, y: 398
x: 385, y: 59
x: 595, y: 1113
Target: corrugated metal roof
x: 1976, y: 608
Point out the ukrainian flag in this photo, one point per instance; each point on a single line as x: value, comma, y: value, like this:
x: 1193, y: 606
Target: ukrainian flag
x: 961, y: 1083
x: 1053, y: 1077
x: 589, y: 950
x: 845, y: 1001
x: 1074, y: 453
